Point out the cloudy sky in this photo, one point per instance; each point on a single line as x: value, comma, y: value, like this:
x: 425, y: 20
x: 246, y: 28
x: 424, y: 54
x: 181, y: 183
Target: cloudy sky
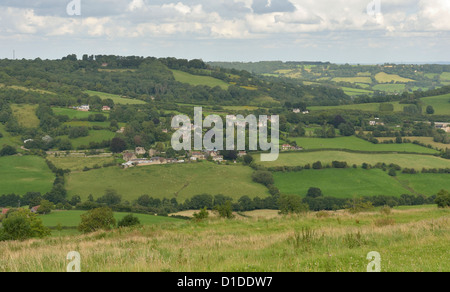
x: 340, y: 31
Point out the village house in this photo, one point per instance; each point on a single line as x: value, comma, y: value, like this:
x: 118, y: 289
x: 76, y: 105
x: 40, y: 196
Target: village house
x: 198, y: 156
x: 442, y: 126
x: 140, y: 151
x: 152, y: 152
x: 286, y: 147
x: 218, y: 158
x: 121, y: 130
x: 84, y: 108
x: 34, y: 209
x: 296, y: 111
x: 129, y: 156
x: 242, y: 153
x: 106, y: 108
x: 4, y: 211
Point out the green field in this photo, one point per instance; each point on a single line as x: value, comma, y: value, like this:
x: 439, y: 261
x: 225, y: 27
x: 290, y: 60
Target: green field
x: 20, y: 175
x: 367, y: 80
x: 79, y: 163
x: 94, y: 136
x: 73, y: 219
x: 7, y: 139
x: 445, y: 76
x: 354, y: 143
x: 424, y: 140
x: 425, y: 183
x: 74, y: 114
x: 390, y: 88
x: 116, y: 98
x: 370, y: 107
x: 356, y: 91
x: 195, y: 80
x: 25, y: 114
x: 180, y: 181
x: 387, y: 78
x: 409, y: 240
x: 404, y: 160
x: 441, y: 104
x: 340, y: 183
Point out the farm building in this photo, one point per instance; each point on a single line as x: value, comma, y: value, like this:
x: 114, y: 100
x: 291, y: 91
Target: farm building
x: 34, y: 209
x: 84, y: 108
x: 128, y: 156
x: 140, y: 151
x: 106, y: 108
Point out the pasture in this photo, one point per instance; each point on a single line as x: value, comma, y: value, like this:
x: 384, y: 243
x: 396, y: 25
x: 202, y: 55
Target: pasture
x: 19, y: 175
x: 94, y: 136
x: 441, y: 104
x: 366, y: 80
x: 26, y: 115
x: 326, y: 157
x: 340, y: 183
x: 357, y: 144
x: 369, y: 107
x: 7, y: 139
x: 408, y: 240
x: 180, y: 181
x: 74, y: 114
x: 79, y: 163
x: 196, y: 80
x: 390, y: 88
x: 387, y: 78
x: 114, y: 97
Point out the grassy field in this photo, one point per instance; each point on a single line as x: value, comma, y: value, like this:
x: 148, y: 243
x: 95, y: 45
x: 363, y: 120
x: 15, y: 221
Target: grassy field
x: 404, y: 160
x: 116, y: 98
x: 390, y: 88
x: 356, y: 91
x: 25, y: 115
x: 27, y: 89
x: 73, y: 219
x: 20, y: 175
x: 370, y: 107
x: 94, y: 136
x: 7, y: 139
x: 195, y: 80
x: 387, y: 78
x: 354, y: 143
x: 425, y: 183
x: 340, y: 183
x: 445, y: 76
x: 367, y: 80
x: 180, y: 181
x: 408, y: 240
x: 78, y: 163
x: 74, y: 114
x: 441, y: 104
x: 424, y: 140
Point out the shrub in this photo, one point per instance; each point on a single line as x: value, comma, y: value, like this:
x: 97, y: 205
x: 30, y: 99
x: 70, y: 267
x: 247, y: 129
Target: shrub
x: 291, y: 204
x: 21, y: 224
x: 128, y: 221
x: 443, y: 199
x: 97, y: 219
x: 203, y: 214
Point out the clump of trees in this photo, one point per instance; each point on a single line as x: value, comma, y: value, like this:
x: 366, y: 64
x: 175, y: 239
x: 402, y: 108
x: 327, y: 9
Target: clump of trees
x: 22, y: 224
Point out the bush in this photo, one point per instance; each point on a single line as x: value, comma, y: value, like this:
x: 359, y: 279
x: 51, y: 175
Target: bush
x: 443, y: 199
x: 129, y: 221
x: 97, y: 219
x: 291, y: 204
x: 203, y: 214
x: 263, y: 177
x: 8, y: 151
x: 21, y: 224
x: 225, y: 210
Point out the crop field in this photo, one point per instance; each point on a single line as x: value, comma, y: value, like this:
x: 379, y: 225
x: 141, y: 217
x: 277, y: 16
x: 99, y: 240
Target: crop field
x: 19, y: 175
x: 195, y: 80
x: 354, y: 143
x: 180, y: 181
x: 116, y: 98
x: 340, y: 183
x: 407, y: 240
x: 391, y: 88
x: 326, y: 157
x: 25, y: 115
x: 441, y: 103
x: 386, y: 78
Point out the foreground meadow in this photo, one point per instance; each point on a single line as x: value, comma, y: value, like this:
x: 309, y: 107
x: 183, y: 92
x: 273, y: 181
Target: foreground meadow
x: 407, y: 239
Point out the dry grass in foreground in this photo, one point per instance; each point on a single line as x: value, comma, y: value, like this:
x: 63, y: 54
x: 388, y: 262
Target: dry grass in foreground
x: 407, y: 240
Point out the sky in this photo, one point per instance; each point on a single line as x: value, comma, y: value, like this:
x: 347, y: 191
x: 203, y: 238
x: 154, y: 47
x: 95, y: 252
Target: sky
x: 338, y: 31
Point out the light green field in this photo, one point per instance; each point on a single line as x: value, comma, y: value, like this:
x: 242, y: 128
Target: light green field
x: 425, y: 183
x: 441, y: 104
x: 424, y: 140
x: 180, y: 181
x: 340, y: 183
x: 74, y: 114
x: 392, y: 88
x: 371, y: 107
x: 445, y: 76
x: 79, y: 163
x: 195, y: 80
x: 367, y: 80
x: 73, y: 219
x: 116, y: 98
x: 386, y: 78
x: 409, y: 240
x: 27, y: 89
x: 20, y: 175
x: 25, y: 115
x: 356, y: 91
x: 94, y: 136
x: 7, y: 139
x: 326, y: 157
x: 354, y: 143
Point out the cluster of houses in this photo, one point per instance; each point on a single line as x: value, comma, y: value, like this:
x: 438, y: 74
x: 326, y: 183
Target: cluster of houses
x: 288, y: 147
x: 33, y: 210
x: 86, y: 108
x: 443, y: 126
x: 297, y: 111
x: 132, y: 159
